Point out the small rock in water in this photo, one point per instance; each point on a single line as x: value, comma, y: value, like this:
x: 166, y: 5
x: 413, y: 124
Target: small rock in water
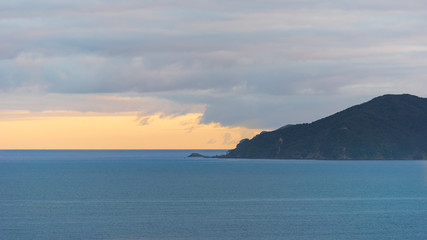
x: 197, y: 155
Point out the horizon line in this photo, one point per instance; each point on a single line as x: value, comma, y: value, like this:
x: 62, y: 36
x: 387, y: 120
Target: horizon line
x: 112, y: 149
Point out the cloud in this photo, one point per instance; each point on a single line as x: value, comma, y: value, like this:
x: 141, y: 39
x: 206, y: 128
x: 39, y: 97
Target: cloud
x: 273, y: 112
x: 227, y: 139
x: 94, y: 103
x: 253, y: 63
x: 145, y: 121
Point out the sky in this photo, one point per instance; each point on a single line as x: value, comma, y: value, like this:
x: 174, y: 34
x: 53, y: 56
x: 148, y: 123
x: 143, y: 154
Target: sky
x: 145, y: 74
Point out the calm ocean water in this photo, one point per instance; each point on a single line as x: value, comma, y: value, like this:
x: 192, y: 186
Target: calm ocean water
x: 163, y: 195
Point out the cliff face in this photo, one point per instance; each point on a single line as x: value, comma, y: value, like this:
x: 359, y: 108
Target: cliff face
x: 387, y: 127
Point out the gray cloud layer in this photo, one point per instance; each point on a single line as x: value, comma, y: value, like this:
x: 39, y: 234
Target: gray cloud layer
x: 256, y: 63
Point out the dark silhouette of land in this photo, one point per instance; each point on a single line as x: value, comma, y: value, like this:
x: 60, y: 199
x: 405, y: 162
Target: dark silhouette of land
x: 197, y: 155
x: 387, y: 127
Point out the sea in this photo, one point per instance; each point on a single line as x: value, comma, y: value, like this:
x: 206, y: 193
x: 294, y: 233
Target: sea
x: 163, y: 194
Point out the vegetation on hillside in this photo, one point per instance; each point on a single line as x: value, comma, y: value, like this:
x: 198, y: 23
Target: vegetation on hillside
x: 387, y: 127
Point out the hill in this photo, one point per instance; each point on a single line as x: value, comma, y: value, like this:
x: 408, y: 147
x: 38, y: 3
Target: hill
x: 387, y: 127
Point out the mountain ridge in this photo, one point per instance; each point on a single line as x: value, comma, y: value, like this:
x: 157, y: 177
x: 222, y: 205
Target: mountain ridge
x: 386, y: 127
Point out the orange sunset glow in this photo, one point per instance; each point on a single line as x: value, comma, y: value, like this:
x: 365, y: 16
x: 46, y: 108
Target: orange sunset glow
x: 125, y: 131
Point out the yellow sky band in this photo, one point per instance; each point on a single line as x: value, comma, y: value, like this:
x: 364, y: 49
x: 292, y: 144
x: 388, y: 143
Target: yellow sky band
x: 85, y: 131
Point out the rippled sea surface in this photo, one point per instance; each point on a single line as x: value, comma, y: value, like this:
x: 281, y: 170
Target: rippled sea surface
x: 161, y: 194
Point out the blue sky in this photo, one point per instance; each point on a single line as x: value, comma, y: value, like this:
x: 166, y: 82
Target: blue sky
x: 258, y: 64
